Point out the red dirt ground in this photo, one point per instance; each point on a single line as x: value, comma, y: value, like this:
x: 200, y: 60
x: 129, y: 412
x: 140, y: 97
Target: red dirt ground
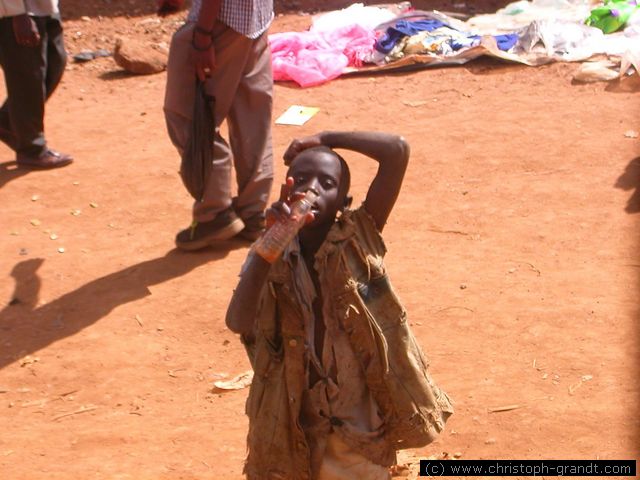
x: 514, y: 246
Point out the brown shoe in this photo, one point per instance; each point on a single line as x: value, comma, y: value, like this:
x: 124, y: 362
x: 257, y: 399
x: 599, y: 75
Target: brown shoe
x: 203, y: 234
x: 48, y: 159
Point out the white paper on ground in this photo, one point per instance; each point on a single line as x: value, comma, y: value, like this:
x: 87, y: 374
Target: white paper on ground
x: 297, y: 115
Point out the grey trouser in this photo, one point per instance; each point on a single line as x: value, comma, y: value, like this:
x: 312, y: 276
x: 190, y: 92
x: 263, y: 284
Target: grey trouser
x: 242, y: 85
x: 31, y: 75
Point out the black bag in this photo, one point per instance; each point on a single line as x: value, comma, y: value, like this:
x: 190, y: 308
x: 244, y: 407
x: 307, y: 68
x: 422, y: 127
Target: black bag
x: 197, y: 158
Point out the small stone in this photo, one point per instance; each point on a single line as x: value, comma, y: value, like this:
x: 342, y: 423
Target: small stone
x: 35, y: 222
x: 84, y: 18
x: 457, y: 455
x: 93, y: 205
x: 631, y: 134
x: 53, y: 236
x: 61, y: 250
x: 463, y: 286
x: 490, y: 441
x: 76, y: 183
x: 35, y: 198
x: 75, y: 212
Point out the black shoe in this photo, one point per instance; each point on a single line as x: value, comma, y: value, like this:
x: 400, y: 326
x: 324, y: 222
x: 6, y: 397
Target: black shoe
x: 253, y: 228
x: 202, y: 234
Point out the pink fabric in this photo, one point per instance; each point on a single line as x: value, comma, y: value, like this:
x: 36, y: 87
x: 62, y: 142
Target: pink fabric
x: 311, y: 58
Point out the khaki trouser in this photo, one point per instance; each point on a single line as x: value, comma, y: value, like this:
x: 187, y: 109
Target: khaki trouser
x: 242, y: 84
x: 342, y: 463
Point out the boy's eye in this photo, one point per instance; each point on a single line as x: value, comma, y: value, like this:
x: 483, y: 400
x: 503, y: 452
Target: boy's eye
x: 328, y: 183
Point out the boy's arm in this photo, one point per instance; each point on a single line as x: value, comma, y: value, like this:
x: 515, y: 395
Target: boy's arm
x: 389, y: 150
x: 241, y: 313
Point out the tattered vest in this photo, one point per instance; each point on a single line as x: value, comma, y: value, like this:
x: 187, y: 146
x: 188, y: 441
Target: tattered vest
x: 353, y: 279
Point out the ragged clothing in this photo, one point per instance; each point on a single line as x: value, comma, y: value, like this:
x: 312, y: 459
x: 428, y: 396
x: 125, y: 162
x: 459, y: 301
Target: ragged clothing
x: 367, y: 390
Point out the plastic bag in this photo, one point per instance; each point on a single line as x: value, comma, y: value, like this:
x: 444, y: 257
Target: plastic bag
x: 197, y: 158
x: 613, y: 15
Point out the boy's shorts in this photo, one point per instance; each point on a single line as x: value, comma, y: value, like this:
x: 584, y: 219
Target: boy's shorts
x: 342, y: 463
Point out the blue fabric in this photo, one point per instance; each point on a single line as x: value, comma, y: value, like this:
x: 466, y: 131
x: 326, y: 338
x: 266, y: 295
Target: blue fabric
x: 505, y: 42
x: 404, y: 28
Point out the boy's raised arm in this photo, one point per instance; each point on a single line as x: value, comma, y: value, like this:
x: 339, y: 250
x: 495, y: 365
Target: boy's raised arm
x: 389, y: 150
x: 241, y: 313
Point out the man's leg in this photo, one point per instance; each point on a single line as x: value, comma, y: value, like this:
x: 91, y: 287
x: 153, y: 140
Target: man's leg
x: 56, y: 54
x: 24, y: 70
x: 6, y: 135
x: 250, y: 135
x: 180, y: 88
x: 214, y: 219
x: 30, y: 78
x: 234, y: 55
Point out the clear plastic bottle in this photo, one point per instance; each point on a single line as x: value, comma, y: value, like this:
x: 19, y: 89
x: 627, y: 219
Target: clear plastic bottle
x: 276, y: 239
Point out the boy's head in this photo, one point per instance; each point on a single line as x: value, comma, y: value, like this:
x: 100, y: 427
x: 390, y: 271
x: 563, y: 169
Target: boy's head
x: 324, y: 171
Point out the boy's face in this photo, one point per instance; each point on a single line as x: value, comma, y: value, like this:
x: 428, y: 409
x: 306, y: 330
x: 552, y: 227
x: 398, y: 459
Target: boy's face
x: 319, y: 170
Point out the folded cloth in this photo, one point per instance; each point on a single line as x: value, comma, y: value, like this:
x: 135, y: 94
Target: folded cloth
x: 405, y: 28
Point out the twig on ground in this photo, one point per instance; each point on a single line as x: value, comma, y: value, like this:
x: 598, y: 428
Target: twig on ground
x: 77, y: 412
x: 504, y: 408
x: 455, y: 306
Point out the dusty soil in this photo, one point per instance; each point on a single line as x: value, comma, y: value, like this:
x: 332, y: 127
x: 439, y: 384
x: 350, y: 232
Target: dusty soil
x: 514, y: 246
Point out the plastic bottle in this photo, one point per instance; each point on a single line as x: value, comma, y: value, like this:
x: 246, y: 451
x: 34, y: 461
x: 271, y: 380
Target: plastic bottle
x: 276, y: 239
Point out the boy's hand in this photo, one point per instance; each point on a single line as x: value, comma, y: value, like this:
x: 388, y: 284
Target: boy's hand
x: 26, y: 31
x: 280, y: 210
x: 300, y: 144
x: 167, y: 7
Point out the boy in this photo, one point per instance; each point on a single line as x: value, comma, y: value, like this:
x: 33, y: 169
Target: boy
x: 340, y: 384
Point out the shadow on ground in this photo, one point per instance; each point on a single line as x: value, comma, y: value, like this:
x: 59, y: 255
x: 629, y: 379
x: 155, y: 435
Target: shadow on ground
x: 26, y: 328
x: 9, y: 171
x: 630, y: 181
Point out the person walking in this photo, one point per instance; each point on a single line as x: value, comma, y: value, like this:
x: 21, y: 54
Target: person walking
x: 33, y: 58
x: 224, y: 44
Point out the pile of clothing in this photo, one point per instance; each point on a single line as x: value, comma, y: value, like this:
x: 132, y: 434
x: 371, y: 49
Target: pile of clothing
x: 368, y: 38
x: 360, y: 36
